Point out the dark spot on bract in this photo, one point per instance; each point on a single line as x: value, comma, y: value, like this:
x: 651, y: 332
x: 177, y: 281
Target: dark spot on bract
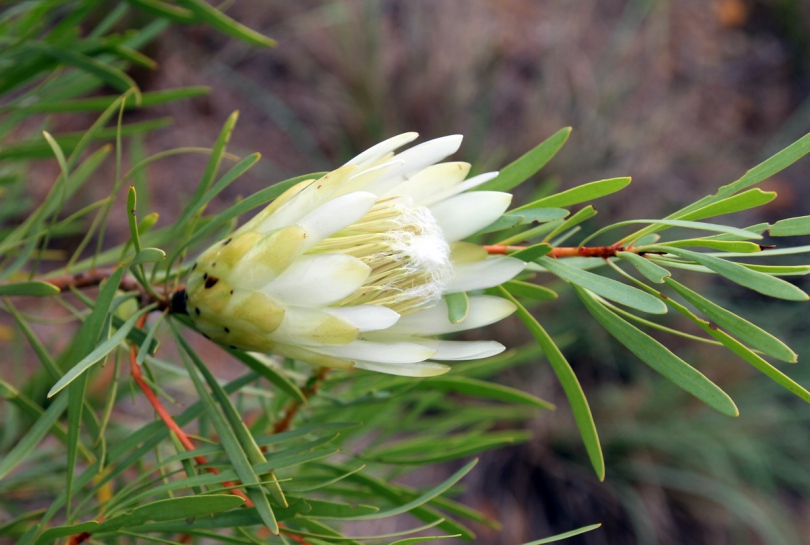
x: 211, y: 281
x: 206, y: 336
x: 197, y: 310
x: 205, y: 276
x: 193, y: 266
x: 231, y: 292
x: 232, y: 347
x: 227, y: 330
x: 227, y: 241
x: 214, y: 264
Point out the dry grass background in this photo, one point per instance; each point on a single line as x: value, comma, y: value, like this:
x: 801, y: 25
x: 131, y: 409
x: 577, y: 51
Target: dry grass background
x: 683, y: 95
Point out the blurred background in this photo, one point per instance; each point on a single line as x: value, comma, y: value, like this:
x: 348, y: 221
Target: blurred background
x: 682, y: 95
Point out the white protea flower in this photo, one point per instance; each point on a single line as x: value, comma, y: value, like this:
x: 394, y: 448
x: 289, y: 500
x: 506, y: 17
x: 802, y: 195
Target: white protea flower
x: 349, y: 270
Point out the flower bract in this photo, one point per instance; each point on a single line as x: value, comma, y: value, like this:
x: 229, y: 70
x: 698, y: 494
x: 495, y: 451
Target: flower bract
x: 350, y: 270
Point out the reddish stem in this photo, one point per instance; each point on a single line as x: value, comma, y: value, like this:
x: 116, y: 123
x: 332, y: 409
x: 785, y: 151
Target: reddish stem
x: 574, y: 251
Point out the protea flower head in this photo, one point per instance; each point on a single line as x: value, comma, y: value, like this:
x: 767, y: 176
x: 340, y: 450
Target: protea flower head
x: 349, y: 270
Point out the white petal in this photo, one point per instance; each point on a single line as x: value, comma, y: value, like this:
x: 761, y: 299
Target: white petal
x: 423, y: 369
x: 458, y: 188
x: 335, y: 215
x: 484, y: 310
x: 363, y: 179
x: 400, y: 352
x: 487, y: 273
x: 468, y: 213
x: 463, y: 350
x: 318, y: 280
x: 387, y: 146
x: 366, y: 317
x: 430, y: 180
x: 426, y: 154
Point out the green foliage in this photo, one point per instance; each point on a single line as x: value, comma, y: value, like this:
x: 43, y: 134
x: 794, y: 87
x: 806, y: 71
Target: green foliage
x: 309, y: 453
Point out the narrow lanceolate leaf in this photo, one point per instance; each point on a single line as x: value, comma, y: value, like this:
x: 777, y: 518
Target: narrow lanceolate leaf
x: 743, y: 351
x: 791, y: 227
x: 737, y: 326
x: 246, y: 441
x: 659, y: 357
x: 35, y: 434
x: 528, y: 164
x: 277, y: 378
x: 760, y: 364
x: 582, y: 193
x: 757, y: 281
x: 646, y: 267
x: 530, y: 291
x: 532, y: 252
x: 107, y: 73
x: 173, y: 509
x: 743, y: 201
x: 424, y: 498
x: 566, y: 535
x: 570, y: 384
x: 32, y: 289
x: 100, y: 351
x: 458, y: 305
x: 236, y: 453
x: 525, y: 217
x: 606, y: 287
x: 209, y: 14
x: 738, y: 246
x: 481, y: 388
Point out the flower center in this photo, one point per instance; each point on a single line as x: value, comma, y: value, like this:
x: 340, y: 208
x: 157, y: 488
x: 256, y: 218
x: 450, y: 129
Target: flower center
x: 406, y: 250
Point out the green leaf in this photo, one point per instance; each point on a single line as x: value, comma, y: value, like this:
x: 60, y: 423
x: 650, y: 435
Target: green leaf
x: 415, y: 540
x: 791, y: 227
x: 699, y: 225
x: 33, y: 289
x: 105, y: 72
x: 52, y: 534
x: 566, y: 535
x: 480, y: 388
x: 583, y: 193
x: 148, y: 255
x: 580, y: 216
x: 235, y: 451
x: 757, y: 281
x: 152, y: 98
x: 762, y: 171
x: 458, y: 305
x: 570, y: 384
x: 537, y: 215
x: 277, y: 378
x: 530, y: 291
x: 528, y: 164
x: 646, y: 267
x: 173, y: 509
x: 424, y: 498
x: 743, y: 201
x: 533, y: 252
x: 659, y: 357
x: 225, y: 24
x: 162, y: 9
x: 100, y: 352
x: 606, y: 287
x: 737, y: 326
x: 35, y: 434
x: 723, y: 245
x: 334, y: 510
